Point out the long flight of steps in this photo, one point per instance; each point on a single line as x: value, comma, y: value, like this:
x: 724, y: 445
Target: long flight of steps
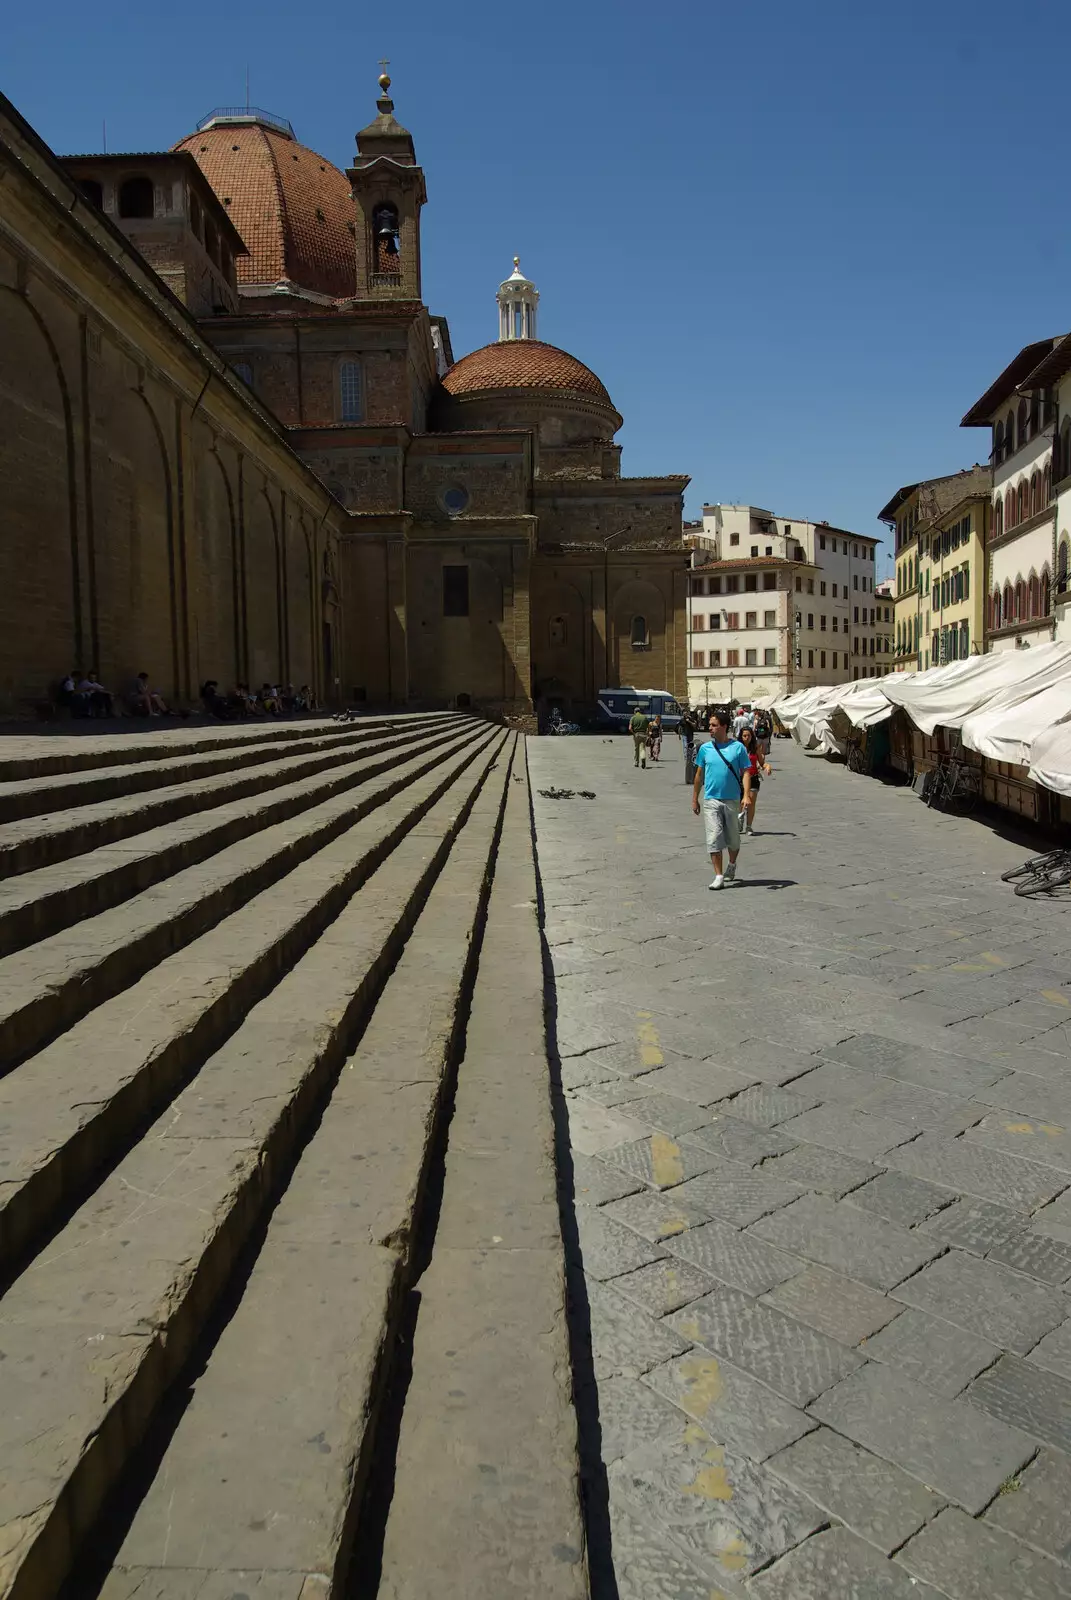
x: 281, y: 1282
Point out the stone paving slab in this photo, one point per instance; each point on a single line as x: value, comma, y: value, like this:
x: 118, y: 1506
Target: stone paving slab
x: 660, y: 1160
x: 739, y: 1140
x: 841, y: 1307
x: 900, y: 1199
x: 664, y: 1285
x: 736, y: 1193
x: 1054, y: 1351
x: 1046, y: 1142
x: 625, y: 1341
x: 948, y: 1445
x: 986, y: 1299
x: 967, y: 1559
x: 796, y: 1361
x: 721, y: 1510
x: 1028, y: 1397
x: 647, y: 1567
x: 875, y: 1499
x: 766, y: 1105
x: 835, y: 1565
x: 844, y: 1128
x: 1037, y: 1508
x: 974, y: 1169
x: 735, y: 1409
x: 856, y: 1244
x: 655, y: 1215
x: 734, y: 1257
x: 1054, y: 1221
x: 930, y: 1069
x: 934, y: 1353
x: 828, y: 1171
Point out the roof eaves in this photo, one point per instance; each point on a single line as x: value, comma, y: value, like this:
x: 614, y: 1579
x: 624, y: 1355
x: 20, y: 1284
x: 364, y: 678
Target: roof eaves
x: 1017, y: 370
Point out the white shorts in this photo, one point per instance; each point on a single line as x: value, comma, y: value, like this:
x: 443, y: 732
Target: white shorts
x: 721, y: 819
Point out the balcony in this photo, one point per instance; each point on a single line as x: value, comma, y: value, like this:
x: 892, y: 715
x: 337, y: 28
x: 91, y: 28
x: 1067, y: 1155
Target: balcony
x: 385, y: 280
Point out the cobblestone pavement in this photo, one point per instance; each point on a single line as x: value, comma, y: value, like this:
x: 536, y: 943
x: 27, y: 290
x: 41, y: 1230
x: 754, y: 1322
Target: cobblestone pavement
x: 816, y: 1155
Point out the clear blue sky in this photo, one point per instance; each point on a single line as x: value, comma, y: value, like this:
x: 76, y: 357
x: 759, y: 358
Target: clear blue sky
x: 796, y: 240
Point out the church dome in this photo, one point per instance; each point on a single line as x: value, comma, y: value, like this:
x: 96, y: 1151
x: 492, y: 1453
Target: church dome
x: 293, y: 209
x: 522, y: 364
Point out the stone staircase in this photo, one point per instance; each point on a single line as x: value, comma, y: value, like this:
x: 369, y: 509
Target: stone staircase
x: 283, y: 1304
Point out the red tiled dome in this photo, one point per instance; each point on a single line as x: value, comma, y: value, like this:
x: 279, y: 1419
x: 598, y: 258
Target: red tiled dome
x: 293, y: 209
x: 522, y: 364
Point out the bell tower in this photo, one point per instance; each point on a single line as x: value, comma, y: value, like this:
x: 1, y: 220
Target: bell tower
x: 388, y: 192
x: 518, y: 298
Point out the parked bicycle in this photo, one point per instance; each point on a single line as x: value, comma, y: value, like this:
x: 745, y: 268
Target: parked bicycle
x: 1045, y: 874
x: 952, y: 785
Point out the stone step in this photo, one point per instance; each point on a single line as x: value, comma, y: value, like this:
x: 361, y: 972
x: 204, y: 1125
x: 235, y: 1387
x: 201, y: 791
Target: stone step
x: 39, y: 903
x: 46, y: 987
x: 486, y: 1482
x: 268, y: 1466
x: 27, y: 756
x: 70, y: 1109
x: 40, y: 841
x: 36, y: 796
x: 102, y: 1322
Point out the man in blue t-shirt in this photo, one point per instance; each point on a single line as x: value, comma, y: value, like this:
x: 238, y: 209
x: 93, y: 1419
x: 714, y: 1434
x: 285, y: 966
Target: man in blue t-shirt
x: 723, y: 770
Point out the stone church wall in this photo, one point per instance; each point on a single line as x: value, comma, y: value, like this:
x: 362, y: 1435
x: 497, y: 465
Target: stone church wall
x: 151, y: 518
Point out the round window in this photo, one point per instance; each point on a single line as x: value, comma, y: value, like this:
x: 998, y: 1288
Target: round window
x: 455, y: 499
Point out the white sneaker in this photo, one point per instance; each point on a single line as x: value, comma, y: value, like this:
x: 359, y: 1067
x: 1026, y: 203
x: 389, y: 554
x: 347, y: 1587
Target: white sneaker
x: 717, y: 880
x: 730, y: 873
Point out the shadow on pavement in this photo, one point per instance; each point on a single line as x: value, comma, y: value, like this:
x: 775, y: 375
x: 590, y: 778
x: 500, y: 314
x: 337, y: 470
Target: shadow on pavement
x: 766, y: 883
x: 594, y: 1487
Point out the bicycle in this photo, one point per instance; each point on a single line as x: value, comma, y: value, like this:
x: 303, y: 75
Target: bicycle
x: 1041, y: 874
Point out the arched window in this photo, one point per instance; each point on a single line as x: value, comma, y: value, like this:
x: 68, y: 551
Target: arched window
x: 92, y: 191
x: 1022, y: 419
x: 1035, y: 494
x: 995, y: 608
x: 1020, y: 600
x: 350, y: 392
x: 1064, y: 469
x: 1046, y: 594
x: 1046, y: 486
x: 136, y: 198
x: 1009, y: 509
x: 640, y: 638
x: 1022, y: 501
x: 1007, y: 612
x: 998, y: 517
x: 386, y: 251
x: 1009, y: 434
x: 1061, y: 567
x: 998, y: 444
x: 1034, y: 596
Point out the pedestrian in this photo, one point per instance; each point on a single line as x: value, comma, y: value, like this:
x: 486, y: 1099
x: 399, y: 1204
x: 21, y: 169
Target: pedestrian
x: 764, y: 733
x: 760, y: 768
x: 723, y: 773
x: 686, y: 728
x: 654, y: 737
x: 638, y: 728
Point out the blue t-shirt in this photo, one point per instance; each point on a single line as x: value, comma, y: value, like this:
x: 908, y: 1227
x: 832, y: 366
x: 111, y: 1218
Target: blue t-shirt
x: 718, y: 781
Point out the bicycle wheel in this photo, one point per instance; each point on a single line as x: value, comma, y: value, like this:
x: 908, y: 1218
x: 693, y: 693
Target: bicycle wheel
x: 1035, y: 864
x: 1044, y: 882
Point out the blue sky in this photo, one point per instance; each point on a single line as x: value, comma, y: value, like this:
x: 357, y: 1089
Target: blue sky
x: 796, y: 240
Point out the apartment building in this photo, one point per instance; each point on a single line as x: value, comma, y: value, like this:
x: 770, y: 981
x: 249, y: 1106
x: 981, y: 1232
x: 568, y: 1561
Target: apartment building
x: 1019, y: 408
x: 915, y: 514
x: 885, y: 606
x: 814, y: 614
x: 952, y: 553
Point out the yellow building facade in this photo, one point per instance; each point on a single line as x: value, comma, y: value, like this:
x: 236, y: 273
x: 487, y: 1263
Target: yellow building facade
x: 951, y: 582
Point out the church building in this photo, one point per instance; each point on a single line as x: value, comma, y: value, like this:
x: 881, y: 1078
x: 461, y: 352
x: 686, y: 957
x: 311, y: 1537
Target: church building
x: 264, y: 462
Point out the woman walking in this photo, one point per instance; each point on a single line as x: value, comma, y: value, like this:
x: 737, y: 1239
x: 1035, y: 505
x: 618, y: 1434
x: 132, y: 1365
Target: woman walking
x: 760, y: 768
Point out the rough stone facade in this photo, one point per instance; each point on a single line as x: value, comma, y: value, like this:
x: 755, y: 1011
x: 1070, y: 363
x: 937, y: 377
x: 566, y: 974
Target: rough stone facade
x: 293, y: 488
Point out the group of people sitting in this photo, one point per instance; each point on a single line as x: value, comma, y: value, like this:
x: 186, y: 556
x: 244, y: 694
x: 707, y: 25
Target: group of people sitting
x: 83, y: 695
x: 270, y: 700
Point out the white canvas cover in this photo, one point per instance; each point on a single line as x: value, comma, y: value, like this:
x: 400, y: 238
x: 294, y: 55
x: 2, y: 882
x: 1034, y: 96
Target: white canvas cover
x: 1050, y: 758
x: 1006, y: 728
x: 946, y: 696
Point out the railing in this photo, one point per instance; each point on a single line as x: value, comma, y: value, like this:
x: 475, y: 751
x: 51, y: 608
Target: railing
x: 385, y: 280
x: 246, y: 114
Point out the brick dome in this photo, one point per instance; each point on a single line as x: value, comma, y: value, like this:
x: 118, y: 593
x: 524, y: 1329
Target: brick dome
x: 293, y: 209
x: 522, y: 364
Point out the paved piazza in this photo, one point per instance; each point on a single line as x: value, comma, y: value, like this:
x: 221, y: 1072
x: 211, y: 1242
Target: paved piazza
x: 816, y: 1157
